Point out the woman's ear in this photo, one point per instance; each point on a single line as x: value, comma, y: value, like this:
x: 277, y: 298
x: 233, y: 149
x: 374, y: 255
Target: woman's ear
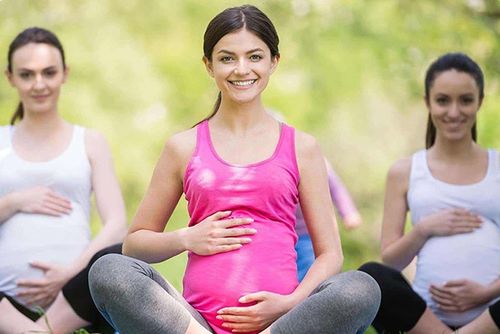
x: 274, y: 62
x: 8, y: 74
x: 65, y: 73
x: 208, y: 66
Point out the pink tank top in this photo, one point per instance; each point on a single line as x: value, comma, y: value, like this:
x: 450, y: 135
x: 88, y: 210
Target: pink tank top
x: 266, y: 191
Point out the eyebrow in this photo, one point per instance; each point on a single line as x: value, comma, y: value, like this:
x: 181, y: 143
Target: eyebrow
x: 232, y: 53
x: 52, y: 67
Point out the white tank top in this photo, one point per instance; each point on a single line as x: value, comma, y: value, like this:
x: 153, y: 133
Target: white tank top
x: 474, y: 256
x: 27, y: 237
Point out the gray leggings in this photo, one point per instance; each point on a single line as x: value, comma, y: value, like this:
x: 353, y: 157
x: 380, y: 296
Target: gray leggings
x: 135, y: 298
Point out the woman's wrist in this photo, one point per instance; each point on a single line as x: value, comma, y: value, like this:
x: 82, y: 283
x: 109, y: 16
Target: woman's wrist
x: 183, y: 235
x: 421, y: 230
x: 13, y: 201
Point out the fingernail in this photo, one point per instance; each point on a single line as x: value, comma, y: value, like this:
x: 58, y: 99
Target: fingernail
x: 218, y: 317
x: 249, y: 220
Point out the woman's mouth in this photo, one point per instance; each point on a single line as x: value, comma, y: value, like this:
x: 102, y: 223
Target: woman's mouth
x: 242, y: 83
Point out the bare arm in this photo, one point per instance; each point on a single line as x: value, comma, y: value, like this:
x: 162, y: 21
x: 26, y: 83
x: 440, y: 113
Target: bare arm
x: 398, y: 249
x: 145, y: 239
x: 319, y: 215
x: 8, y: 207
x: 109, y: 200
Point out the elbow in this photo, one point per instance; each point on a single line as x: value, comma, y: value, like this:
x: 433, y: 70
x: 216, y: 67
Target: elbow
x: 127, y: 247
x: 389, y: 261
x: 335, y: 261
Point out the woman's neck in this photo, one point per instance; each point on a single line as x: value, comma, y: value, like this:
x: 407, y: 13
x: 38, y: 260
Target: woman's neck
x: 41, y: 124
x: 454, y: 150
x: 240, y: 118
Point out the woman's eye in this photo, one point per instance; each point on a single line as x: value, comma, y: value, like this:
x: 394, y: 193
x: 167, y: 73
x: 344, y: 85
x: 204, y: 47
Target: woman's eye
x: 226, y: 59
x: 441, y: 100
x: 50, y: 73
x: 467, y: 100
x: 24, y: 75
x: 255, y: 57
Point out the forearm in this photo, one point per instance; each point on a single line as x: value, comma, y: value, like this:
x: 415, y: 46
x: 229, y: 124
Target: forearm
x: 401, y: 252
x: 493, y: 290
x: 111, y: 233
x: 324, y: 266
x: 153, y: 247
x: 8, y: 206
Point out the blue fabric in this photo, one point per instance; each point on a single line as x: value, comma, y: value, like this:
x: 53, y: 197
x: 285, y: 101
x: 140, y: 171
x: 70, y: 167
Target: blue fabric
x: 305, y: 255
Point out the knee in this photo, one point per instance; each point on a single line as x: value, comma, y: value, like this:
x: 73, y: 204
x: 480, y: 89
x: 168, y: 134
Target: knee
x: 374, y: 269
x: 107, y: 276
x: 361, y: 291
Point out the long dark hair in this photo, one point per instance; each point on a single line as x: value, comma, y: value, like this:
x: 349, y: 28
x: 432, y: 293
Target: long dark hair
x: 31, y: 35
x: 233, y: 19
x: 451, y: 61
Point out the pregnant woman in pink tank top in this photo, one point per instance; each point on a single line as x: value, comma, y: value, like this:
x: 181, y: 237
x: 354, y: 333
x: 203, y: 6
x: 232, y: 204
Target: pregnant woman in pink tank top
x: 242, y: 173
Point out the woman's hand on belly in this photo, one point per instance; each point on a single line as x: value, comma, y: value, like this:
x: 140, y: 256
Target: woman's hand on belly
x: 215, y: 234
x: 459, y: 295
x: 448, y: 222
x: 41, y: 200
x: 265, y: 309
x: 43, y: 291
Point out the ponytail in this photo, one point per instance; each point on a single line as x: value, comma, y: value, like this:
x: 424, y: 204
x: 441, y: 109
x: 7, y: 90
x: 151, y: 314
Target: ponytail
x: 18, y: 115
x: 214, y: 111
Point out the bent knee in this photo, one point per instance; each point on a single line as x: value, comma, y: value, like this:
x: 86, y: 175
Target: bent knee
x: 375, y: 269
x: 106, y: 274
x: 358, y: 291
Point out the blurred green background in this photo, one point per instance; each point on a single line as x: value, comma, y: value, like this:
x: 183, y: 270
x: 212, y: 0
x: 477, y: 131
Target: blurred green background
x: 351, y: 73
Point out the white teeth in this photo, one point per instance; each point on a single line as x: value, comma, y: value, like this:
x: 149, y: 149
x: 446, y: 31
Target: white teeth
x: 243, y: 83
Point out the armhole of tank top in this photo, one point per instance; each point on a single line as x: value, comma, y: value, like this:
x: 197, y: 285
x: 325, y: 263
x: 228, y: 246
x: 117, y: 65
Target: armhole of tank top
x: 293, y: 149
x: 494, y: 162
x: 80, y: 144
x: 187, y: 170
x: 413, y: 171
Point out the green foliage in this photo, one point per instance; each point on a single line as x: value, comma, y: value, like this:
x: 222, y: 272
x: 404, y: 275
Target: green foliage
x: 351, y: 73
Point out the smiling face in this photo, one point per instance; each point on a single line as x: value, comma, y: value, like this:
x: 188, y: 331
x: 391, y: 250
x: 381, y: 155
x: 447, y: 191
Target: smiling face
x: 38, y: 74
x: 453, y: 104
x: 241, y: 65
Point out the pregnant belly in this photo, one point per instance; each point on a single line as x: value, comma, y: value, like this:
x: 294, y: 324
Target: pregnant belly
x: 28, y: 237
x: 474, y: 256
x: 217, y: 281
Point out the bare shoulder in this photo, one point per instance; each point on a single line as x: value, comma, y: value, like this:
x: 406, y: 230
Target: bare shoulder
x: 94, y: 138
x: 400, y: 172
x: 182, y: 144
x: 96, y: 144
x: 306, y: 145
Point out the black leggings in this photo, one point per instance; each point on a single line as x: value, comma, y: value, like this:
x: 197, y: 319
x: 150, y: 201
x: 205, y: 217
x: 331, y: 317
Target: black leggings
x: 401, y: 307
x: 77, y: 293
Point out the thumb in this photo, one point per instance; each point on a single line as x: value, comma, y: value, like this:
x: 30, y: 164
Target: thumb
x: 253, y: 297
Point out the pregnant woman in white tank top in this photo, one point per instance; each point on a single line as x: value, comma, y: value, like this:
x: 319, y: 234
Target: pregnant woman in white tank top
x: 48, y: 169
x: 452, y: 190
